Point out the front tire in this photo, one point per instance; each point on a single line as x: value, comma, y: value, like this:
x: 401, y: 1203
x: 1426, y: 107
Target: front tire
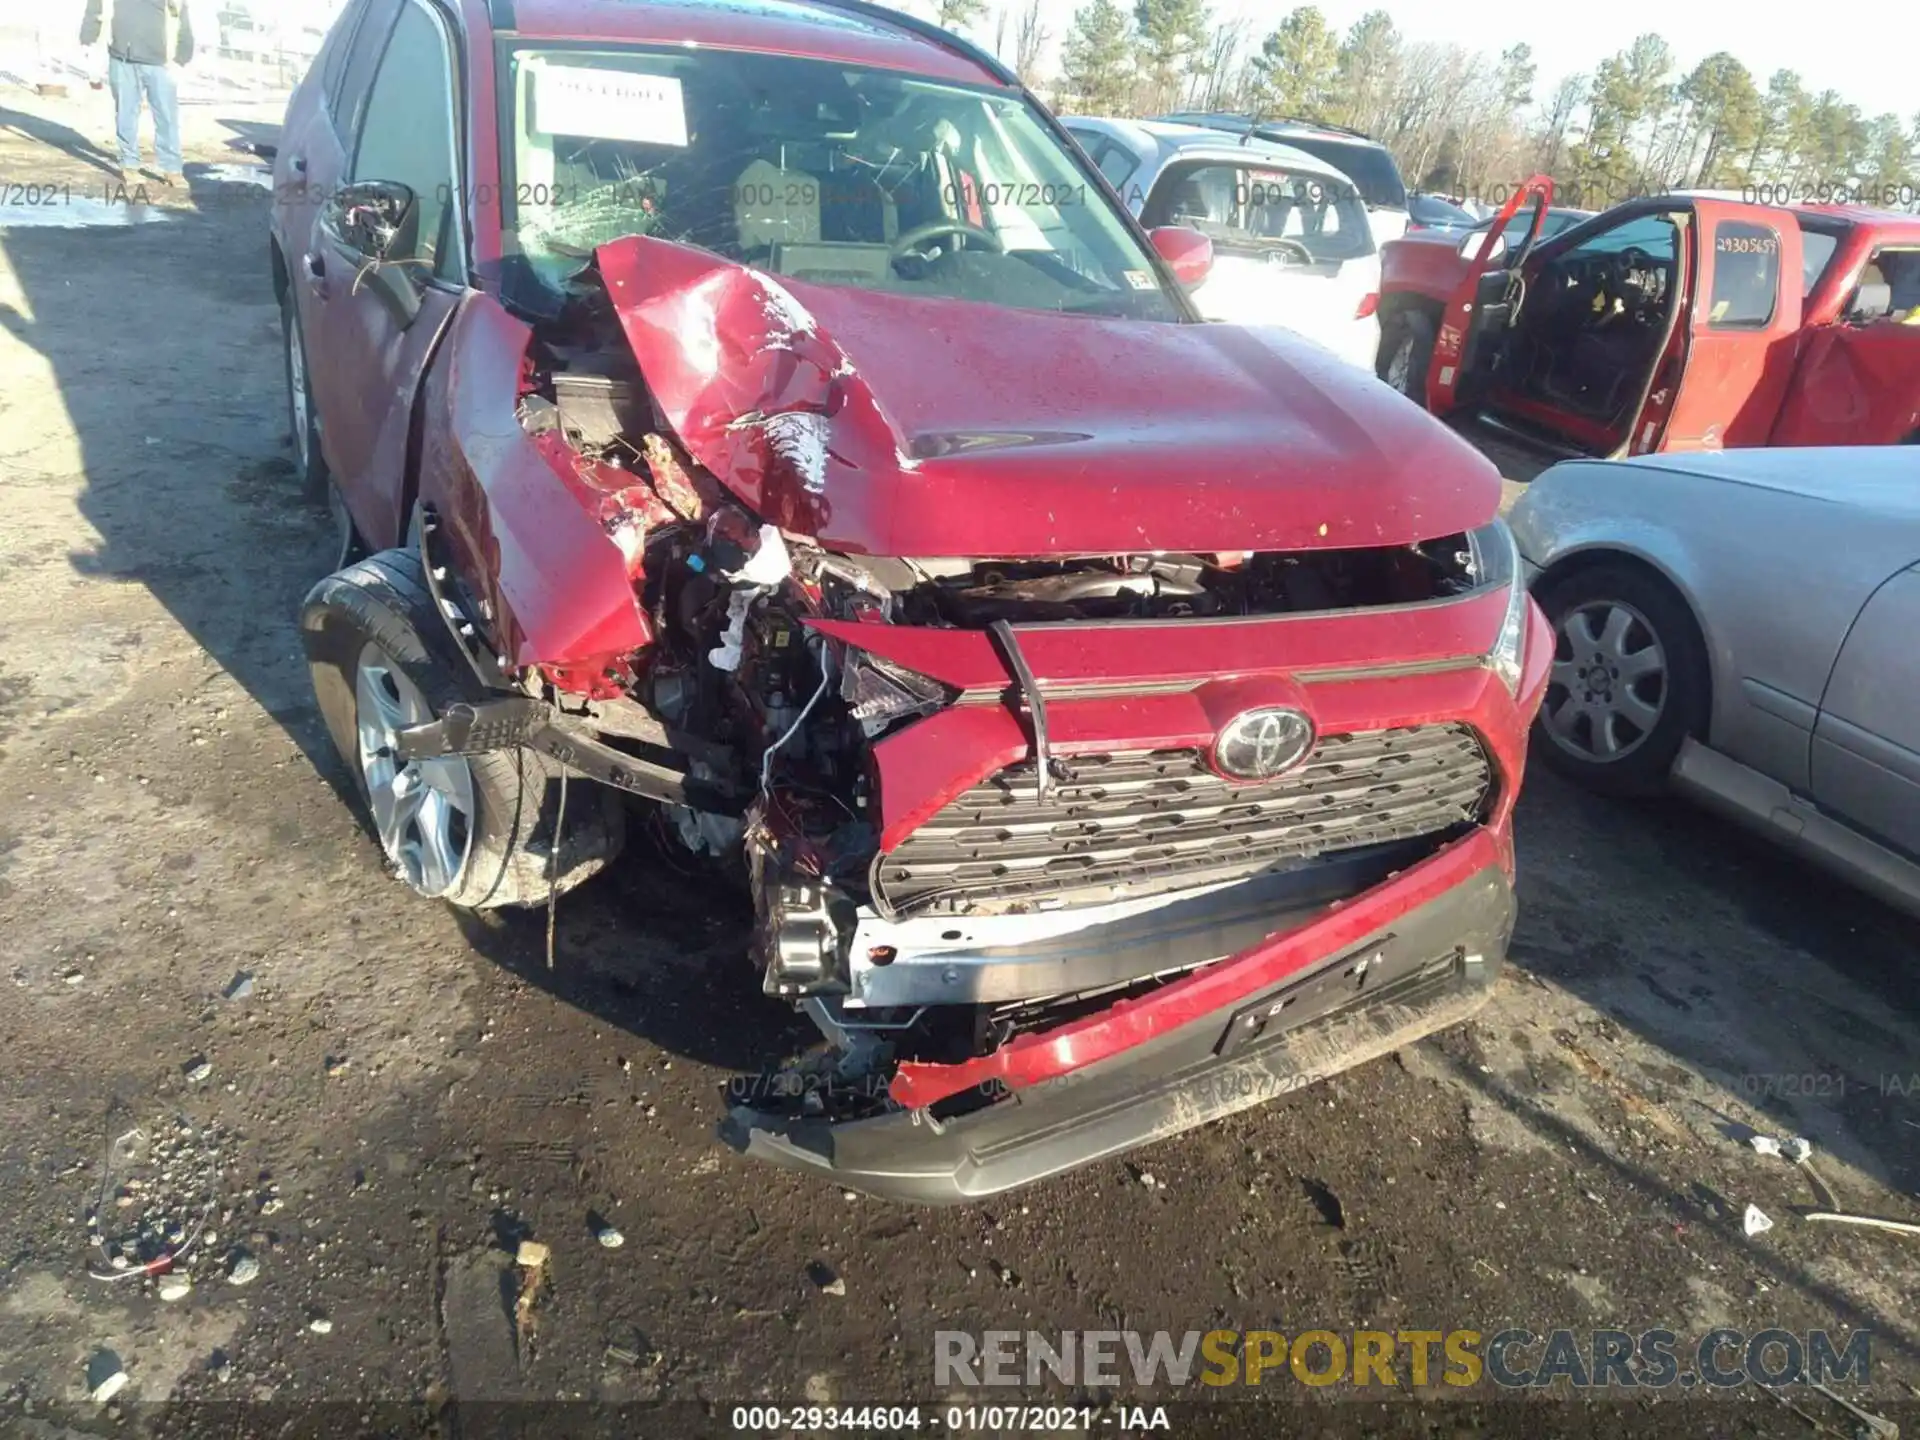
x: 303, y: 417
x: 1406, y: 354
x: 476, y: 831
x: 1629, y: 681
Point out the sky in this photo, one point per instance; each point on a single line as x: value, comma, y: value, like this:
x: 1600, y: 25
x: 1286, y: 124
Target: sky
x: 1869, y: 52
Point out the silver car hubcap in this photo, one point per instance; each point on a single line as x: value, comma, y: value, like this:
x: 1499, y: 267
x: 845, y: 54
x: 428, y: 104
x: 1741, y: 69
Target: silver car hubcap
x: 423, y: 809
x: 1400, y: 366
x: 297, y: 387
x: 1608, y: 685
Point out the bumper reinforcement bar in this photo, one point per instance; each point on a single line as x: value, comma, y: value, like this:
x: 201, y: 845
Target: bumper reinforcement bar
x: 477, y: 727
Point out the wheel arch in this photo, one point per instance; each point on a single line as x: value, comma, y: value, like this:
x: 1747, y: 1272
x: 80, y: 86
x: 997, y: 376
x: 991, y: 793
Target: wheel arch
x: 1598, y: 554
x: 1395, y: 303
x: 277, y: 260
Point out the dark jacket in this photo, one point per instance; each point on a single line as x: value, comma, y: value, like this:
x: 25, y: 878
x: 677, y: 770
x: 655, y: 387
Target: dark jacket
x: 140, y: 30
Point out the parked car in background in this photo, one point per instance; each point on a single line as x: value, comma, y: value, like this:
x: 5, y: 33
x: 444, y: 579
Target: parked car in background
x: 762, y: 425
x: 1679, y: 322
x: 1355, y: 154
x: 1742, y: 626
x: 1291, y: 242
x: 1433, y: 213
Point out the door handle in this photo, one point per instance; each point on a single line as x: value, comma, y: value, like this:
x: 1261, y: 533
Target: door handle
x: 298, y: 164
x: 316, y: 267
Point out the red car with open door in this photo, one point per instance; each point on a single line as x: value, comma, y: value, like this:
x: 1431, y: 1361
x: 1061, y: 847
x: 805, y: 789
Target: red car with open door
x: 1677, y: 322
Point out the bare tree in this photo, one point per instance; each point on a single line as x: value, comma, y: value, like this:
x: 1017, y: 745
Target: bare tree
x: 1220, y: 84
x: 1030, y: 39
x: 1550, y: 141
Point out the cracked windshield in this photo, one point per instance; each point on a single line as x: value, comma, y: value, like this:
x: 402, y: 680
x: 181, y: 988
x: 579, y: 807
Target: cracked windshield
x: 821, y: 172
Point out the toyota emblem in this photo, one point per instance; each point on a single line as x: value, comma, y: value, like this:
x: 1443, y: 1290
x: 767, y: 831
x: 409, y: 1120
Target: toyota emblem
x: 1260, y: 744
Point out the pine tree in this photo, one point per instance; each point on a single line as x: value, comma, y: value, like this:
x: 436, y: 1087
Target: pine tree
x: 1298, y: 69
x: 1369, y: 71
x: 1173, y: 37
x: 1726, y: 106
x: 1096, y: 65
x: 957, y: 14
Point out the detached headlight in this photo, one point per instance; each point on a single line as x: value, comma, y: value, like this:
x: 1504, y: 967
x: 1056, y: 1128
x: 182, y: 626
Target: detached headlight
x: 879, y: 693
x: 1496, y: 561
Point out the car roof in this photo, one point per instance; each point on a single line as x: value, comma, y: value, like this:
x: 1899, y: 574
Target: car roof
x: 847, y: 31
x: 1883, y: 480
x: 1237, y: 124
x: 1893, y: 223
x: 1165, y: 140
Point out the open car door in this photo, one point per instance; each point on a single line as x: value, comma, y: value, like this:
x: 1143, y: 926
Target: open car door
x: 1485, y: 296
x: 1742, y: 326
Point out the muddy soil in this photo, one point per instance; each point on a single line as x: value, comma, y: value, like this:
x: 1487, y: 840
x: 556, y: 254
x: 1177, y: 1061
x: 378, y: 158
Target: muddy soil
x: 376, y: 1099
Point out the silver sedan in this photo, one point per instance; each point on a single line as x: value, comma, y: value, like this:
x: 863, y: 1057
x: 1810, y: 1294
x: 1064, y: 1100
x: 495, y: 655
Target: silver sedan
x: 1744, y: 626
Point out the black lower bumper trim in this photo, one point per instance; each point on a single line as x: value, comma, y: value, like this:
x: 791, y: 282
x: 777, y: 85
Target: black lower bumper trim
x: 1429, y: 969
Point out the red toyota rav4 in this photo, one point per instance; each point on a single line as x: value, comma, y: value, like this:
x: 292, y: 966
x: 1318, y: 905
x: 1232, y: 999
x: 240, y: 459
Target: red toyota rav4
x: 766, y: 418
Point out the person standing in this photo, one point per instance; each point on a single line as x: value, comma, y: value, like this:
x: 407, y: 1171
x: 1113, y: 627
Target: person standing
x: 144, y: 38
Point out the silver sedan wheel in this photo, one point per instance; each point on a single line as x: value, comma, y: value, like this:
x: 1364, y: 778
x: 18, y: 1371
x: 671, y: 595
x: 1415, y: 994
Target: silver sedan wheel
x: 423, y: 809
x: 1400, y: 366
x: 1608, y: 685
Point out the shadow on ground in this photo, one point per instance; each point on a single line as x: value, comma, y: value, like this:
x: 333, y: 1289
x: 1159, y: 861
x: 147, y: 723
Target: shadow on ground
x: 18, y: 124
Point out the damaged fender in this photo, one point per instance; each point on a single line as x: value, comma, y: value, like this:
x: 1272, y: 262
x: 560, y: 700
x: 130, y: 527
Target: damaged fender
x: 532, y: 526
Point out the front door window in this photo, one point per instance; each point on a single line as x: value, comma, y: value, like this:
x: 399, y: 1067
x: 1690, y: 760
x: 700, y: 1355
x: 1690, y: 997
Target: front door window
x: 408, y: 137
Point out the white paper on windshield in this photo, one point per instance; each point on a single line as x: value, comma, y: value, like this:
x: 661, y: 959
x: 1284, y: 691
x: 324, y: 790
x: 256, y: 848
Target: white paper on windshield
x: 608, y: 105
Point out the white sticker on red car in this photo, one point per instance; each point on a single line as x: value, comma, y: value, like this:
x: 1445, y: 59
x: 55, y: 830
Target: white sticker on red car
x: 608, y: 104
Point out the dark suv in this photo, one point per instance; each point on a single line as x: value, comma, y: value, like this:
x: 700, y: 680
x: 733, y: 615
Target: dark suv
x: 763, y: 423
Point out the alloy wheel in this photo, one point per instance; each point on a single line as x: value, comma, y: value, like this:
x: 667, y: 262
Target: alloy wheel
x: 1608, y: 685
x: 422, y: 809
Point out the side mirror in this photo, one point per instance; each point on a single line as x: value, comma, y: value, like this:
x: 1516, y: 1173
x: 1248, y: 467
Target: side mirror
x: 377, y: 219
x: 1187, y: 252
x: 1470, y: 246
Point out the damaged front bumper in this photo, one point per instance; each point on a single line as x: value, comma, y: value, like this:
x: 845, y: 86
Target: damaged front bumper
x: 1412, y: 955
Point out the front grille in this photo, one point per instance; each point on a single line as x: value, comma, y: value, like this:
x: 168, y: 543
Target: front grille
x: 1139, y: 822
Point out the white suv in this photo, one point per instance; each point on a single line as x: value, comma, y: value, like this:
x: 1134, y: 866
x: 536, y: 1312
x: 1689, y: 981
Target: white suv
x: 1292, y: 244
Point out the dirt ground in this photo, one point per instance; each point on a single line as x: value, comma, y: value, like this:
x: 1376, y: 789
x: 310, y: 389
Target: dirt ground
x: 397, y: 1096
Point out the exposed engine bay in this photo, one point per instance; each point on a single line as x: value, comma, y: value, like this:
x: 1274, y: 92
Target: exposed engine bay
x: 742, y: 688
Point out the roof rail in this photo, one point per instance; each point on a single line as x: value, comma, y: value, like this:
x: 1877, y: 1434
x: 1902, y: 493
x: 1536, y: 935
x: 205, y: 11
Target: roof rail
x: 1244, y: 120
x: 926, y: 30
x: 1315, y: 123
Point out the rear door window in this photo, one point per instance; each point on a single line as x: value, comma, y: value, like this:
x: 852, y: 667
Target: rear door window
x: 1746, y: 275
x: 1369, y: 166
x: 1816, y: 253
x: 349, y: 101
x: 1290, y: 215
x: 1900, y: 272
x: 1109, y: 157
x: 333, y: 61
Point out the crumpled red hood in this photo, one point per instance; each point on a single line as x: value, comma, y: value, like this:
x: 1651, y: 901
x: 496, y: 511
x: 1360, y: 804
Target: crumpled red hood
x: 884, y: 424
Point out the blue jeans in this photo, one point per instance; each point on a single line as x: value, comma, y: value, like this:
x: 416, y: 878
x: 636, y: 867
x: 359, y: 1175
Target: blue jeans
x: 129, y: 82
